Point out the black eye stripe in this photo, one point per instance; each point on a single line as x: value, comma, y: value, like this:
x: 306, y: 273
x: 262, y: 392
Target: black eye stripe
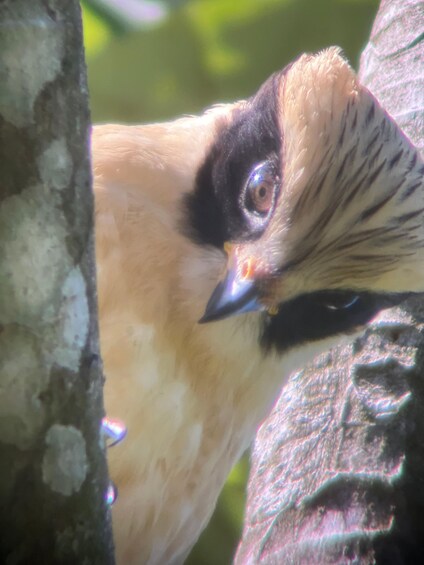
x: 308, y: 317
x: 341, y: 300
x: 348, y: 304
x: 212, y: 212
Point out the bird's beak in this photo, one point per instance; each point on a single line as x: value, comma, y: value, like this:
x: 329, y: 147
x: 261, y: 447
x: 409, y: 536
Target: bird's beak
x: 236, y: 294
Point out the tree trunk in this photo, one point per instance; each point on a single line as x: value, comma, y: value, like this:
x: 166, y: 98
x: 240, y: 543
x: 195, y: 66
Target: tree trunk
x: 337, y: 469
x: 53, y: 472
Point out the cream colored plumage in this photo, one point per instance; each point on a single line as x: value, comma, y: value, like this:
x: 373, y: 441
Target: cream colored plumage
x: 188, y: 420
x: 193, y: 395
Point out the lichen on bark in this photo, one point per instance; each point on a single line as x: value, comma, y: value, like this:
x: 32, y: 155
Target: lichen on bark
x: 53, y: 472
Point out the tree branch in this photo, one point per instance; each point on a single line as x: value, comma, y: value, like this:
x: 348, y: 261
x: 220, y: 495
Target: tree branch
x: 337, y: 467
x: 53, y: 471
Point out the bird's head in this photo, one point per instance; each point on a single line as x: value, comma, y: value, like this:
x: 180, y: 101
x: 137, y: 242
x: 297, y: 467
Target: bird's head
x: 317, y: 199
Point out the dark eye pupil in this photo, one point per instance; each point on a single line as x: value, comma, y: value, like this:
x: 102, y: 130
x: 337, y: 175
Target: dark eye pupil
x: 262, y: 196
x: 260, y: 189
x: 262, y: 192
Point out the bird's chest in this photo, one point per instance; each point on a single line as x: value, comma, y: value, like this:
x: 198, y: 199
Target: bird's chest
x: 189, y: 417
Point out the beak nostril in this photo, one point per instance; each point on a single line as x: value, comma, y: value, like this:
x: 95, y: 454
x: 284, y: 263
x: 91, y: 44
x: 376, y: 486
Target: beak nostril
x: 247, y: 270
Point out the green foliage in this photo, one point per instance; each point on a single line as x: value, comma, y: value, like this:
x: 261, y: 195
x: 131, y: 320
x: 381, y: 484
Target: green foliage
x: 208, y: 51
x: 203, y: 52
x: 97, y: 32
x: 217, y: 544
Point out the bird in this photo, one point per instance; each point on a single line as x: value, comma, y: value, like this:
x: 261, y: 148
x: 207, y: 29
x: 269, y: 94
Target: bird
x: 232, y: 248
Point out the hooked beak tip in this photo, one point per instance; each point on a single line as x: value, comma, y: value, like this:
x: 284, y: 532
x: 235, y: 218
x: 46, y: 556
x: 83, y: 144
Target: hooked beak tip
x: 231, y: 296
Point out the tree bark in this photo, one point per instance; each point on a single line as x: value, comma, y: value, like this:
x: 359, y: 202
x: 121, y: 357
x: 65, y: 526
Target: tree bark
x: 53, y: 472
x: 337, y: 469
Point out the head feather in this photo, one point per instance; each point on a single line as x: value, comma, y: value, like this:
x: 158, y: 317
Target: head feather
x: 351, y: 206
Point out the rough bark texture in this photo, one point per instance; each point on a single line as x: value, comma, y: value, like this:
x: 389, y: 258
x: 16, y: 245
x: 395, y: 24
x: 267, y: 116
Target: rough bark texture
x: 337, y: 469
x: 53, y: 472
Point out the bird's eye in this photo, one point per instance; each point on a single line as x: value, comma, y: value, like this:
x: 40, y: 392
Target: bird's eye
x: 341, y: 301
x: 260, y: 190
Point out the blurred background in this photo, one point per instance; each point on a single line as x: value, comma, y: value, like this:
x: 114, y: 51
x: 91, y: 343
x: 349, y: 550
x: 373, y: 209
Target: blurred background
x: 154, y: 60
